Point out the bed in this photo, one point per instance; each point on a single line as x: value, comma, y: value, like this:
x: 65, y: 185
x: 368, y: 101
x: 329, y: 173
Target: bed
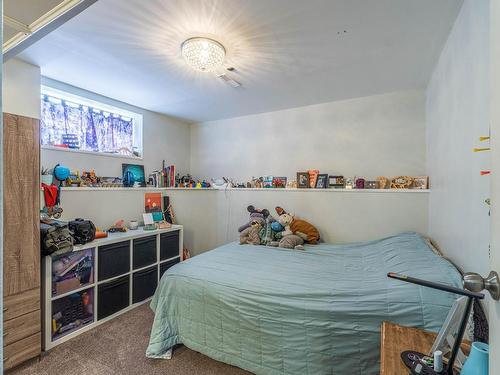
x: 318, y: 311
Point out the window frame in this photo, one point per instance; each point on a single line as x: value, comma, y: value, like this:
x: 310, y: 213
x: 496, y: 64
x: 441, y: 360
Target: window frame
x: 137, y: 131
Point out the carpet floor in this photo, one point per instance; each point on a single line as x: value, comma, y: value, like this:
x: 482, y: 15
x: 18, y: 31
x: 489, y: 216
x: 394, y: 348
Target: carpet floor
x: 118, y: 347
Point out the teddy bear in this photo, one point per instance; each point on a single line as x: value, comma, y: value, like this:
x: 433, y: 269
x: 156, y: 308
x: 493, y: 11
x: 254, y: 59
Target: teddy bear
x: 302, y: 228
x: 250, y: 235
x: 256, y: 215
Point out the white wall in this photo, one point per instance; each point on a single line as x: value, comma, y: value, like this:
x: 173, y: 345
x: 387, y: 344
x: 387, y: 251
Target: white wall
x: 21, y: 88
x: 195, y: 209
x: 457, y: 114
x: 211, y: 217
x: 340, y: 216
x: 164, y: 138
x: 370, y: 136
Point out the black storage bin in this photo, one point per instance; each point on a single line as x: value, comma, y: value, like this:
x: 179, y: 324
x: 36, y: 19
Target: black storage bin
x: 114, y: 260
x: 165, y: 266
x: 144, y: 284
x: 169, y: 245
x: 113, y: 297
x: 144, y: 252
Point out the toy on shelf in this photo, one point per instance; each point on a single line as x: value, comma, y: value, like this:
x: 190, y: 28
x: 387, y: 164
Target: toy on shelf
x: 382, y: 182
x: 111, y: 182
x: 420, y: 182
x: 119, y: 226
x: 74, y: 179
x: 89, y: 178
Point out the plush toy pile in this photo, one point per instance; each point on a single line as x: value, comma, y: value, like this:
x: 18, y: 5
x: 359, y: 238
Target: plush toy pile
x: 287, y: 232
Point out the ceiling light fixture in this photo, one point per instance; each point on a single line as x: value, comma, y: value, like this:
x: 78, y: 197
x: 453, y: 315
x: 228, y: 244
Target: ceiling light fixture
x: 203, y: 54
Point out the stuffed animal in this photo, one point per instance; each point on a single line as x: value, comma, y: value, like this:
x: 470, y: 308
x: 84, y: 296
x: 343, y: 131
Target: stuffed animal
x: 277, y: 227
x: 300, y: 227
x: 271, y: 232
x: 290, y: 241
x: 256, y: 215
x: 250, y: 235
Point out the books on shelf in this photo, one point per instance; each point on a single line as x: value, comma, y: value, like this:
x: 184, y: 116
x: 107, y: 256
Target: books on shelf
x: 164, y: 177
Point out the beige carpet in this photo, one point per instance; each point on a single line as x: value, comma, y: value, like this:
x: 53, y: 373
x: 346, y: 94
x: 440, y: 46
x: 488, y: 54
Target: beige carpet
x: 118, y: 347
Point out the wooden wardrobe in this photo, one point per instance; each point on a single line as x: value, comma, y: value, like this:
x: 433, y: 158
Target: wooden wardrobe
x: 21, y: 240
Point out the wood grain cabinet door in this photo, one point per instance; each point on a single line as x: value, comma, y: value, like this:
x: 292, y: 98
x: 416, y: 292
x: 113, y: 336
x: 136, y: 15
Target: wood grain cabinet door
x: 21, y: 204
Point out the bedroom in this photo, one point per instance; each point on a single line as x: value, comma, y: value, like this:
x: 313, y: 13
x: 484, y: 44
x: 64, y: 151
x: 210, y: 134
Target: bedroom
x: 362, y: 134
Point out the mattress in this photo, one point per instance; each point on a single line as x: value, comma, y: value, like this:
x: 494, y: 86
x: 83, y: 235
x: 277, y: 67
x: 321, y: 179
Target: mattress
x: 317, y: 311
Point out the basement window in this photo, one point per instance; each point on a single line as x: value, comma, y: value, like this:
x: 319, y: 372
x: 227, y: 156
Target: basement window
x: 74, y: 123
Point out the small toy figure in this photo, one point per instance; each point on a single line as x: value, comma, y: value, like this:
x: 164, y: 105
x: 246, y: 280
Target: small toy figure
x: 119, y: 226
x: 89, y: 178
x: 74, y: 179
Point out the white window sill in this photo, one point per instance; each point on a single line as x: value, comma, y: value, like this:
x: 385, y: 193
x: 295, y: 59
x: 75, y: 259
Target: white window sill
x: 119, y: 156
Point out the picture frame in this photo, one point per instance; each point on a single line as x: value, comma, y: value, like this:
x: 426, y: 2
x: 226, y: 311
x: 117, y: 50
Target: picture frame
x: 402, y: 182
x: 371, y: 184
x: 322, y: 181
x: 152, y: 204
x: 336, y: 182
x: 267, y: 182
x: 313, y: 177
x: 359, y: 183
x: 279, y: 182
x: 303, y: 180
x: 132, y: 174
x: 421, y: 182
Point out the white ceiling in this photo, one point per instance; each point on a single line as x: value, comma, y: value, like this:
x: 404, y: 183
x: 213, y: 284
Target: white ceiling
x: 287, y: 53
x: 26, y: 12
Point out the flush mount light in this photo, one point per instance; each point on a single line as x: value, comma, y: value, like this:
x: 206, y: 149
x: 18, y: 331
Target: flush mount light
x: 203, y: 54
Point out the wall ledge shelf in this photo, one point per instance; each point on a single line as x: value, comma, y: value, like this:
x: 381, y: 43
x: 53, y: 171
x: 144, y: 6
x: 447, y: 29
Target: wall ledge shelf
x: 376, y: 191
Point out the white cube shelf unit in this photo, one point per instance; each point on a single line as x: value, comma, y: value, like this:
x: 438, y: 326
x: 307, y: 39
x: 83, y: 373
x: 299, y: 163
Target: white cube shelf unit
x: 103, y: 279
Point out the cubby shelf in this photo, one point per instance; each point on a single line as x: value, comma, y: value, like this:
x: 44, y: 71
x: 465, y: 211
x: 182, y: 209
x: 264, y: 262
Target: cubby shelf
x: 82, y: 307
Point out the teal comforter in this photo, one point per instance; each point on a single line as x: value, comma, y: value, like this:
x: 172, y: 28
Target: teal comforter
x: 318, y: 311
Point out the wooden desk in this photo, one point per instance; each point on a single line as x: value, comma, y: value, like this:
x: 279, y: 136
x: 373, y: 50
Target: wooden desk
x: 396, y: 338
